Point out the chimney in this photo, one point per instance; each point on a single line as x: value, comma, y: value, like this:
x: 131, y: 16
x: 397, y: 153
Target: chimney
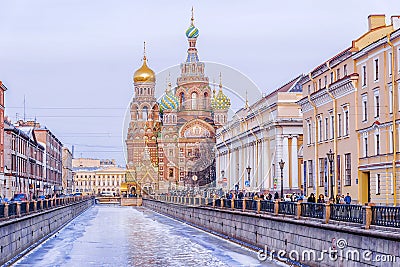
x: 376, y: 21
x: 395, y: 22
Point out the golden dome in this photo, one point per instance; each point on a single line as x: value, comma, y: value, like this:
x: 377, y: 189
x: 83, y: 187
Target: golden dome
x: 144, y: 74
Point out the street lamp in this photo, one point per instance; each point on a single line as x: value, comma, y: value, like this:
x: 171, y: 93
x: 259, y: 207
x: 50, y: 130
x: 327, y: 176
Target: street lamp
x: 194, y: 178
x: 281, y: 165
x: 248, y: 169
x: 331, y: 155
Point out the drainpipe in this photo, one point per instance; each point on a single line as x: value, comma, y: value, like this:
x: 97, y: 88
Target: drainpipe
x: 256, y: 163
x: 334, y: 127
x: 394, y: 124
x: 315, y: 137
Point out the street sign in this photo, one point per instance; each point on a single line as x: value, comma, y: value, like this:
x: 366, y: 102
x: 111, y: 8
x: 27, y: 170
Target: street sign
x: 225, y: 179
x: 247, y: 183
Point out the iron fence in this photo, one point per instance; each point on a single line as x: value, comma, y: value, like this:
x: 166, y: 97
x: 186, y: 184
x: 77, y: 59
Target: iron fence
x: 238, y: 204
x: 227, y: 203
x: 218, y: 202
x: 347, y: 213
x: 268, y: 206
x: 251, y: 204
x: 313, y: 210
x: 286, y: 207
x: 31, y: 206
x: 386, y: 216
x: 23, y: 207
x: 2, y: 210
x: 12, y: 209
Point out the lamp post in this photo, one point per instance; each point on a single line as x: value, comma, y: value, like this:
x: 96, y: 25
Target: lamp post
x: 248, y: 169
x: 281, y: 165
x: 331, y: 155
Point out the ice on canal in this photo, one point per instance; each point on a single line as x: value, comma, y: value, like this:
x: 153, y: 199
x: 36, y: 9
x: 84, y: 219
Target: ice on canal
x: 127, y: 236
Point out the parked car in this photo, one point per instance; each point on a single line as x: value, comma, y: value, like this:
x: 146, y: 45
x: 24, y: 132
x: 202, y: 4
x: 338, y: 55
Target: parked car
x: 20, y: 197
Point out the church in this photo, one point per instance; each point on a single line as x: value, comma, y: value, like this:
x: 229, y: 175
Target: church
x: 171, y: 143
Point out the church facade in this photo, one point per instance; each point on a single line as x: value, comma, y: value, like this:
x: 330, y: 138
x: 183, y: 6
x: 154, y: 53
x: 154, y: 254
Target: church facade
x: 170, y: 143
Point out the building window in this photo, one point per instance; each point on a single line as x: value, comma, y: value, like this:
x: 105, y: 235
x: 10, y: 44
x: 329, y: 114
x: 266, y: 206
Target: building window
x: 309, y: 132
x: 365, y: 145
x: 345, y: 70
x: 326, y: 128
x: 377, y: 144
x: 390, y: 64
x: 194, y: 100
x: 376, y: 103
x: 364, y: 75
x: 346, y: 122
x: 331, y: 77
x: 378, y: 183
x: 391, y: 140
x: 347, y: 178
x: 321, y: 164
x: 325, y: 81
x: 320, y: 129
x: 332, y: 126
x: 339, y: 124
x: 309, y: 89
x: 364, y: 107
x: 337, y: 74
x: 376, y: 69
x: 390, y: 99
x: 310, y: 174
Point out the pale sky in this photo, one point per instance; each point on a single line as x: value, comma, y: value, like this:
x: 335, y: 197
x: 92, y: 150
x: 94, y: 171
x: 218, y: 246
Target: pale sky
x: 73, y: 60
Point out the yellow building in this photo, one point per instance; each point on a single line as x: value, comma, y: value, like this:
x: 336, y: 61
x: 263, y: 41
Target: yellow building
x: 348, y: 108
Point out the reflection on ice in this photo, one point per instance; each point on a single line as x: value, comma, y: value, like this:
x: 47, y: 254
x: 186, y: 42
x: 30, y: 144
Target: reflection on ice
x: 126, y: 236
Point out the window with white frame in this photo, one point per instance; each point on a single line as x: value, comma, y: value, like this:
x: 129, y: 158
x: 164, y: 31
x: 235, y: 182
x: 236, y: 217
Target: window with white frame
x: 310, y: 174
x: 364, y: 75
x: 390, y: 63
x: 345, y: 70
x: 325, y: 81
x: 365, y: 144
x: 319, y: 84
x: 378, y: 183
x: 390, y: 99
x: 376, y: 103
x: 320, y: 130
x: 331, y: 77
x: 347, y: 178
x: 326, y: 128
x: 391, y: 139
x: 377, y: 143
x: 321, y: 166
x: 339, y: 128
x: 364, y: 102
x: 346, y: 121
x: 309, y: 132
x: 337, y: 74
x: 332, y: 125
x: 391, y: 184
x: 376, y: 69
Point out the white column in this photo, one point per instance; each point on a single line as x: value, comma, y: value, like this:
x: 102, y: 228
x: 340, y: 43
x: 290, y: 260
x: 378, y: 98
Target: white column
x: 285, y: 158
x: 259, y: 165
x: 295, y: 173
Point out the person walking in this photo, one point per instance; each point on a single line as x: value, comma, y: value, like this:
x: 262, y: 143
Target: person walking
x: 321, y: 198
x: 347, y: 199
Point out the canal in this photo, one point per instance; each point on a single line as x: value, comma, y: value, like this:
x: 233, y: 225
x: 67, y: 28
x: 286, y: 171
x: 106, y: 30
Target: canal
x: 107, y: 235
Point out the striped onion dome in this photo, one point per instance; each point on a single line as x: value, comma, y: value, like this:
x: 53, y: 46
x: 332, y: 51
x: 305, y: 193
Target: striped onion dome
x: 192, y: 32
x: 169, y: 101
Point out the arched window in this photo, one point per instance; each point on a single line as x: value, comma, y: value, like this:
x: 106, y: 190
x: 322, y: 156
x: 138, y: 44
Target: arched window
x: 145, y: 114
x: 205, y: 101
x: 182, y: 99
x: 194, y: 100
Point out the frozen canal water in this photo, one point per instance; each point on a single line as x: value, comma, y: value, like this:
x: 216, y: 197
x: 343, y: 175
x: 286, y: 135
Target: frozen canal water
x: 127, y: 236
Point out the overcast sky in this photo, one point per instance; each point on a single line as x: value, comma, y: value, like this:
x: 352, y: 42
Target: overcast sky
x: 73, y: 60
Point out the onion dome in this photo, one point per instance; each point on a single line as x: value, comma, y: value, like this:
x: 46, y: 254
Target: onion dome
x: 192, y: 31
x: 169, y: 100
x: 220, y: 100
x: 144, y: 73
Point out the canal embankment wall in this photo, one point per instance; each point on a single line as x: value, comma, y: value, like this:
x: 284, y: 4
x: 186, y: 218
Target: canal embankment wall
x: 277, y: 232
x: 20, y: 233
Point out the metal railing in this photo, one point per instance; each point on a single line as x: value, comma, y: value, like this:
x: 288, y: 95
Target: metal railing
x: 12, y: 209
x: 31, y: 206
x: 365, y: 215
x: 227, y: 203
x: 238, y: 204
x: 23, y: 208
x: 386, y: 216
x: 286, y: 207
x: 1, y: 211
x: 267, y: 206
x: 313, y: 210
x: 347, y: 213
